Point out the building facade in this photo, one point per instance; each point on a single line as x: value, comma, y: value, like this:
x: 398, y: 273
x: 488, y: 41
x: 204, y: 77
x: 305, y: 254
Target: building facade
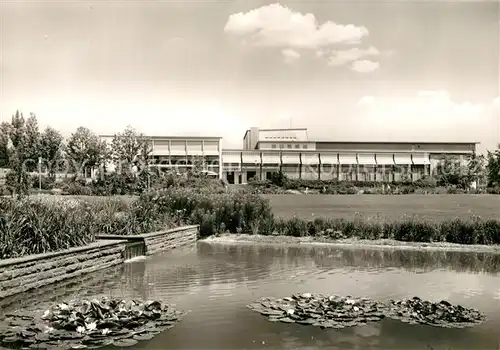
x: 181, y: 153
x: 291, y: 151
x: 268, y: 151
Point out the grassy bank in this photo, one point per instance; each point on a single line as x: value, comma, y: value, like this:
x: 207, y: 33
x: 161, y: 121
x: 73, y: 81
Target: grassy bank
x: 347, y: 242
x: 473, y: 230
x: 247, y: 213
x: 49, y: 223
x: 40, y: 224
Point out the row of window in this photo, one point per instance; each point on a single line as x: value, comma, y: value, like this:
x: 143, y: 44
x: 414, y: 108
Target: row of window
x: 289, y: 146
x: 281, y: 137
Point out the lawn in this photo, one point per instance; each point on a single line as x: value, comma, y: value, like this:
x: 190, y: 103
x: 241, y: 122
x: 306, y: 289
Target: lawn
x: 444, y: 206
x: 391, y: 207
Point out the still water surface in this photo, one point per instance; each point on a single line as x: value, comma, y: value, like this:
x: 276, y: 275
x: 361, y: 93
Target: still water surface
x: 217, y: 281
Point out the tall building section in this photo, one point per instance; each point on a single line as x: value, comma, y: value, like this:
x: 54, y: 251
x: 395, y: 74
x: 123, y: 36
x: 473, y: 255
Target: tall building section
x: 292, y: 152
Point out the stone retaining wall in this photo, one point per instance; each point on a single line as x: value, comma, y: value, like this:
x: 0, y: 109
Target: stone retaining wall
x: 34, y: 271
x: 155, y: 242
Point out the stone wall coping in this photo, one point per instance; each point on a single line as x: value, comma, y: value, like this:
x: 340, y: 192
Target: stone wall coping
x: 148, y: 235
x: 82, y: 249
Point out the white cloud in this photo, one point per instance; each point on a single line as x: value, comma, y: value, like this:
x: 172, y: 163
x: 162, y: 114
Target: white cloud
x: 341, y: 57
x: 290, y: 55
x: 496, y: 101
x: 364, y: 66
x: 278, y: 26
x: 366, y: 100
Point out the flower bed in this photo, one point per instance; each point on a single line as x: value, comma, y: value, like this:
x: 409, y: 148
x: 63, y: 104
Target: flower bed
x: 341, y: 312
x: 90, y: 324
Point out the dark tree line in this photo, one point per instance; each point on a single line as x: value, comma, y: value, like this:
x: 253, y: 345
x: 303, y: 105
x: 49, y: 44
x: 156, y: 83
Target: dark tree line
x: 25, y: 149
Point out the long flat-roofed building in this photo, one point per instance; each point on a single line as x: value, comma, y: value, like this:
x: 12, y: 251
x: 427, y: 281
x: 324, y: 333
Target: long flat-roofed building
x: 266, y: 151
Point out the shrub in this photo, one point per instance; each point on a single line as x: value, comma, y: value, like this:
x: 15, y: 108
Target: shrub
x: 126, y: 183
x: 425, y: 185
x: 407, y: 229
x: 292, y: 227
x: 44, y: 181
x: 493, y: 190
x: 214, y: 212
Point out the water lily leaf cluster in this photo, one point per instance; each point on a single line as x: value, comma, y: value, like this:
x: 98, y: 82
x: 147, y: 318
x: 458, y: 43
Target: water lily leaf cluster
x: 320, y: 310
x: 89, y: 324
x: 441, y: 314
x: 341, y: 312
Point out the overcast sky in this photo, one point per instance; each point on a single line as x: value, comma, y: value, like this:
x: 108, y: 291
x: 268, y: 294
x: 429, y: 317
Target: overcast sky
x: 350, y: 71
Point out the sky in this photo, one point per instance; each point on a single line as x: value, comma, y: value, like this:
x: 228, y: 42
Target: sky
x: 348, y: 71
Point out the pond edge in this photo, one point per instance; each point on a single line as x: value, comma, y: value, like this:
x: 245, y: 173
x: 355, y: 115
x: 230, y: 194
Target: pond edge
x: 347, y: 243
x: 18, y: 275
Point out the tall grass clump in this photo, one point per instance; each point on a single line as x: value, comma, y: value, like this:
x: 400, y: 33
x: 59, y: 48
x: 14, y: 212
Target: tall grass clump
x: 235, y: 212
x: 473, y: 230
x: 39, y: 225
x: 45, y: 224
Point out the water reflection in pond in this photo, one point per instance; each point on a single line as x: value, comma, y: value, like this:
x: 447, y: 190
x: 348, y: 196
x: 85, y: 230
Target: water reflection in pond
x: 216, y: 282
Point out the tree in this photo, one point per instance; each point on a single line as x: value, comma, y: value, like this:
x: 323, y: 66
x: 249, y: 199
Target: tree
x: 493, y: 168
x: 145, y: 151
x: 51, y: 144
x: 85, y: 150
x: 278, y: 179
x: 475, y: 170
x: 32, y: 146
x: 452, y: 173
x: 17, y: 139
x: 197, y: 166
x: 130, y: 148
x: 4, y: 144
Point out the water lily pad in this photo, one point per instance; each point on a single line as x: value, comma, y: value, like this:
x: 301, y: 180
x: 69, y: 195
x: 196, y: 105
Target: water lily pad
x: 40, y: 346
x: 125, y: 343
x: 98, y: 342
x: 308, y: 321
x: 142, y: 337
x: 12, y: 340
x: 441, y: 314
x: 319, y: 310
x: 89, y: 323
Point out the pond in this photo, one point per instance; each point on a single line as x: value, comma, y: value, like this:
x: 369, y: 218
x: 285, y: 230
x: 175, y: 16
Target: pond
x: 216, y: 282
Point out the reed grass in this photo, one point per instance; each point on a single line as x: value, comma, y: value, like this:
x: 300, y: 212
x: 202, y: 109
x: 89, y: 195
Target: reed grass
x: 48, y: 223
